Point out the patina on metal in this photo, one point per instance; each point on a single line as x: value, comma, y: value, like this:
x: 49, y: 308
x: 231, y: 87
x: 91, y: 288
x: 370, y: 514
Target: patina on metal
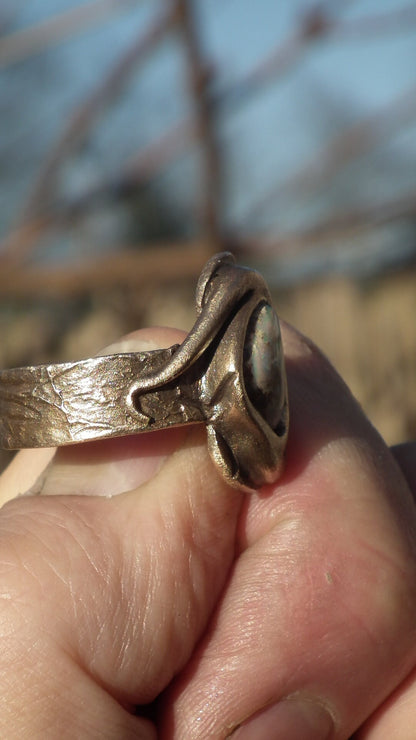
x: 228, y: 373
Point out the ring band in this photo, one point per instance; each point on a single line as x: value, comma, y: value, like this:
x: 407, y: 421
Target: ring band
x: 228, y: 373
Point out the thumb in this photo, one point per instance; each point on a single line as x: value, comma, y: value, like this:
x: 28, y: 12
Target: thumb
x: 122, y: 463
x: 114, y: 591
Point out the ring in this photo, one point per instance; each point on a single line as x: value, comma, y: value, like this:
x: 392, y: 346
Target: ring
x: 228, y: 373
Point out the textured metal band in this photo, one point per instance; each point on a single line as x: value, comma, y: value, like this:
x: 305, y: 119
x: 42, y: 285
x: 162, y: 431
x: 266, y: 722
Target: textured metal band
x: 212, y: 377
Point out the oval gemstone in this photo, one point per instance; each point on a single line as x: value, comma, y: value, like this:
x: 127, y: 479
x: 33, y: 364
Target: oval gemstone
x: 262, y: 363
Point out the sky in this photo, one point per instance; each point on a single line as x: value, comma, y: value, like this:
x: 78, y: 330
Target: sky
x: 266, y: 138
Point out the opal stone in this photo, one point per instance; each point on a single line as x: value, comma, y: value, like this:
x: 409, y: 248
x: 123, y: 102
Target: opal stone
x: 262, y: 366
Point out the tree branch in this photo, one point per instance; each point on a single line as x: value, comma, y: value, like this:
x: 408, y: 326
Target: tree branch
x: 19, y: 45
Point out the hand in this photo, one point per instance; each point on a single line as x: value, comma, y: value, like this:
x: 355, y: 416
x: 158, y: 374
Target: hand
x: 185, y: 606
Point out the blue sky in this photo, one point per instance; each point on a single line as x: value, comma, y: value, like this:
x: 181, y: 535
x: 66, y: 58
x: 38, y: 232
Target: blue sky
x: 276, y: 133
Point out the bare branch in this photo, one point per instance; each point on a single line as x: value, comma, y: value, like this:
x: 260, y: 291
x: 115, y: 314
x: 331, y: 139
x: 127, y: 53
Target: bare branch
x: 355, y: 142
x: 124, y: 268
x: 317, y: 23
x: 25, y: 43
x: 135, y: 267
x: 94, y: 104
x: 20, y: 241
x: 340, y: 226
x: 138, y: 171
x: 392, y: 21
x: 198, y: 80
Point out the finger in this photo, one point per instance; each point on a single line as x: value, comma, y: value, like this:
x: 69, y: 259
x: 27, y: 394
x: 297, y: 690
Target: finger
x: 22, y: 473
x: 397, y: 715
x: 114, y: 591
x: 122, y: 463
x: 320, y: 604
x: 396, y: 718
x: 405, y: 455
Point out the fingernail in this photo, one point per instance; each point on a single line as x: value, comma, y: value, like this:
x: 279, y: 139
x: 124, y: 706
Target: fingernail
x: 130, y: 344
x: 290, y: 719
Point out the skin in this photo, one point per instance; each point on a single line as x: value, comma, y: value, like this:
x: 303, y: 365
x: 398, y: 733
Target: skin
x: 142, y: 598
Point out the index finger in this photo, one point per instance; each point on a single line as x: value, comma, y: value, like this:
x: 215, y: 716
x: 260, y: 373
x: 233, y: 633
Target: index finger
x: 320, y: 604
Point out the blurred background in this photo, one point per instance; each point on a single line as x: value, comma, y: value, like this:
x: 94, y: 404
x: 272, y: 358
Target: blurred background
x: 139, y: 137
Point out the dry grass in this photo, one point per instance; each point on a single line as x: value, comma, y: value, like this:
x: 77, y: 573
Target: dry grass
x: 369, y: 333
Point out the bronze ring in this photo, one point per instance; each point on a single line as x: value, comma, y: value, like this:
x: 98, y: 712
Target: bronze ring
x: 228, y: 373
